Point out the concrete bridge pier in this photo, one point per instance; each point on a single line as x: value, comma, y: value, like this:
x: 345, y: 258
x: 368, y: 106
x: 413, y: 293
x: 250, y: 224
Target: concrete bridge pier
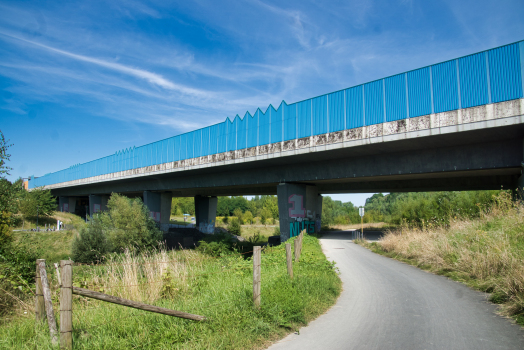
x: 299, y: 208
x: 66, y: 204
x: 159, y: 205
x: 206, y: 213
x: 97, y: 203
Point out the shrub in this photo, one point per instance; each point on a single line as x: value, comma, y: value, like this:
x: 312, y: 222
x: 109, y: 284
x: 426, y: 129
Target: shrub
x: 248, y: 217
x: 91, y: 245
x: 234, y: 227
x: 213, y: 248
x: 128, y: 224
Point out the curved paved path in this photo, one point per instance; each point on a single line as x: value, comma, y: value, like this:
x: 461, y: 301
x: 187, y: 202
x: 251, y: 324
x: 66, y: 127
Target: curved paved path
x: 386, y: 304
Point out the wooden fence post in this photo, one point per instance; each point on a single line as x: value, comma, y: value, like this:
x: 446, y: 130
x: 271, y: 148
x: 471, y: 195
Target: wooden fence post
x: 48, y: 303
x: 39, y: 298
x: 288, y: 260
x: 66, y: 303
x: 296, y: 248
x: 256, y: 276
x: 58, y: 274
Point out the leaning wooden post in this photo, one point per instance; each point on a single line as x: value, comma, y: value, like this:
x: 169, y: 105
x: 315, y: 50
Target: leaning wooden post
x: 256, y: 275
x: 48, y: 303
x: 39, y: 298
x: 66, y: 303
x: 288, y: 260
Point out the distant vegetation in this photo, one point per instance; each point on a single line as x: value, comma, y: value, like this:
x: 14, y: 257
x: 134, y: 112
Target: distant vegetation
x: 412, y: 209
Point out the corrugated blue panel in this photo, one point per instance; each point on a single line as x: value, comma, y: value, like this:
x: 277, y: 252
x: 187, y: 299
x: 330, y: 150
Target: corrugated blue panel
x: 222, y: 136
x: 232, y: 134
x: 336, y: 111
x: 205, y: 142
x: 290, y: 121
x: 197, y: 143
x: 504, y: 73
x: 419, y: 92
x: 304, y: 118
x: 242, y: 131
x: 320, y: 115
x: 183, y: 149
x: 445, y: 86
x: 252, y: 130
x: 396, y: 104
x: 177, y: 147
x: 276, y: 124
x: 473, y: 80
x: 213, y: 139
x: 263, y: 129
x: 190, y: 145
x: 374, y: 102
x: 354, y: 107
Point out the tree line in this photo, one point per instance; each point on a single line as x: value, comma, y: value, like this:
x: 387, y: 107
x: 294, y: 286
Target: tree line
x: 415, y: 208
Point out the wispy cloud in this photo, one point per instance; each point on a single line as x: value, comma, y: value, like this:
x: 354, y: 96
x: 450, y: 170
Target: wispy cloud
x: 152, y: 78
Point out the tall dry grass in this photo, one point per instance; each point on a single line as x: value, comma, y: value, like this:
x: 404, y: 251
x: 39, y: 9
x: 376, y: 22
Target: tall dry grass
x: 145, y: 277
x: 486, y: 253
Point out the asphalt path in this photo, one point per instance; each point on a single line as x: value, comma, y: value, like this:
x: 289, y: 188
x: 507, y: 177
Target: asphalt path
x: 386, y: 304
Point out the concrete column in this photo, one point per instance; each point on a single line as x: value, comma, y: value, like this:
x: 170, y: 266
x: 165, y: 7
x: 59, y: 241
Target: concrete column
x: 159, y: 205
x: 95, y: 204
x: 152, y: 202
x: 67, y: 204
x: 165, y: 210
x: 206, y: 213
x: 63, y: 204
x: 299, y: 208
x: 103, y: 202
x: 72, y: 204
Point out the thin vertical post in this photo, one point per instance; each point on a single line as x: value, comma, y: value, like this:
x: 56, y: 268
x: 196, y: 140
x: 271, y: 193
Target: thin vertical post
x: 39, y: 295
x: 296, y: 249
x: 362, y: 227
x: 256, y: 275
x: 48, y: 303
x: 66, y: 303
x: 288, y: 260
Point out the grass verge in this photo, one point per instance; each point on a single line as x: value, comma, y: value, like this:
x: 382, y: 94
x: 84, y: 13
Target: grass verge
x: 486, y: 253
x: 218, y: 288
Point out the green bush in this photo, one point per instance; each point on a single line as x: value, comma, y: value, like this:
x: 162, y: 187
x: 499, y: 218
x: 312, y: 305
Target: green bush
x: 91, y: 245
x: 234, y: 227
x: 125, y: 225
x: 213, y: 248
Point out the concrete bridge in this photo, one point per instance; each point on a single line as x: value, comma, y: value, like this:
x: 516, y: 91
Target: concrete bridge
x: 456, y: 125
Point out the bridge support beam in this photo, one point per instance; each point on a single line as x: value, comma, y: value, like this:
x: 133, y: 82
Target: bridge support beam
x: 206, y: 213
x: 159, y: 205
x: 299, y: 208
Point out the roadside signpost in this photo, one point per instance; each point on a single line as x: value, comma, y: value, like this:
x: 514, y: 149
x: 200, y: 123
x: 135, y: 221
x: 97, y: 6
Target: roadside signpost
x: 361, y: 213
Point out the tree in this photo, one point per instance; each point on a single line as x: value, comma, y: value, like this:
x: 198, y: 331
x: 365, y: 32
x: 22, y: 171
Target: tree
x: 4, y: 156
x: 238, y: 213
x: 248, y: 217
x: 127, y: 223
x: 234, y: 227
x: 37, y: 202
x: 7, y: 200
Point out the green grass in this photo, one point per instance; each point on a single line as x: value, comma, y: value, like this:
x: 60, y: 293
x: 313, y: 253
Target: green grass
x: 53, y: 245
x: 218, y: 288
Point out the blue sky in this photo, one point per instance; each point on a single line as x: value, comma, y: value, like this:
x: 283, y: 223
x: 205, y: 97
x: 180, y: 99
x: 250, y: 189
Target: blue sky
x: 81, y: 80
